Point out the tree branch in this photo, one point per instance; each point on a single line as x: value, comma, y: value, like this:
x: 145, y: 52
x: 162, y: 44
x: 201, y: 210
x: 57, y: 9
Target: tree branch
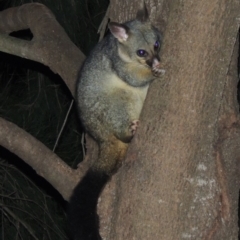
x: 46, y: 163
x: 50, y: 44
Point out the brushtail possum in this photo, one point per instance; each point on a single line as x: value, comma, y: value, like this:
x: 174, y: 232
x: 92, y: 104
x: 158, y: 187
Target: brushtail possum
x: 111, y: 89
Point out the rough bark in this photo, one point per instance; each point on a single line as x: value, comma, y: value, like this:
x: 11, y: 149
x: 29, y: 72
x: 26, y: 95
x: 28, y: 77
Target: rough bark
x: 180, y: 179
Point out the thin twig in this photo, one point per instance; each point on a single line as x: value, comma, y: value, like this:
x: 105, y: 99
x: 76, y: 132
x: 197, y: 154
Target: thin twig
x: 63, y: 126
x: 103, y: 25
x: 83, y: 144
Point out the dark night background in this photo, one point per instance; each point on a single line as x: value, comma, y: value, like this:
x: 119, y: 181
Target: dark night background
x: 35, y: 99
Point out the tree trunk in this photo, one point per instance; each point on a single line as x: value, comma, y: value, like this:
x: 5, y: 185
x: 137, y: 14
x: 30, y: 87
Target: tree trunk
x: 180, y: 178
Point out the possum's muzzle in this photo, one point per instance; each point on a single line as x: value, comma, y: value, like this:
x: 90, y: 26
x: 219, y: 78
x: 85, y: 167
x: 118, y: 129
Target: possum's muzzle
x: 156, y: 70
x: 154, y: 64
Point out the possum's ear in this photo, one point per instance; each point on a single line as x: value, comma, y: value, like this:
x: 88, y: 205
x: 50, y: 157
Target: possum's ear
x: 119, y: 31
x: 142, y: 14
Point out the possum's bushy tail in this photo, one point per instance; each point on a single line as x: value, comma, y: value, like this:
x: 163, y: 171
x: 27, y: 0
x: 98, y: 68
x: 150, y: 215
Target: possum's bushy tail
x: 82, y: 210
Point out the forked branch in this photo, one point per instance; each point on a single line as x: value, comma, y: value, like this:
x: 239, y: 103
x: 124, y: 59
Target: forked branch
x: 50, y: 44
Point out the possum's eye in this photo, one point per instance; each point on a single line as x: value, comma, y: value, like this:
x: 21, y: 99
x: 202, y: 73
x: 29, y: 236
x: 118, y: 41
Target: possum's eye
x: 142, y: 53
x: 156, y: 45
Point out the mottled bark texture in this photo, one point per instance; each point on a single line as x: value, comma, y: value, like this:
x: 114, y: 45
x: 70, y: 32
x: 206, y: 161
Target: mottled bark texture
x: 180, y: 179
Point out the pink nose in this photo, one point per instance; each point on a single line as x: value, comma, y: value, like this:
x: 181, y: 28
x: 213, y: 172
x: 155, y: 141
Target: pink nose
x: 155, y: 63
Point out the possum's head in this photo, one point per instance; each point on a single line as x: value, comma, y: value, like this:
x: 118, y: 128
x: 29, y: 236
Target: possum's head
x: 139, y: 41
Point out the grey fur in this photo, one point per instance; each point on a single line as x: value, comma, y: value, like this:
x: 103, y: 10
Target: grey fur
x: 114, y: 80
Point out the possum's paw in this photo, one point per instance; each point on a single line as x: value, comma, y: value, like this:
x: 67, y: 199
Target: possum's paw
x: 134, y: 125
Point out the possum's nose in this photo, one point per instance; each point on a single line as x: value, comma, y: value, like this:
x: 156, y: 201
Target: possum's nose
x: 156, y: 62
x: 156, y: 70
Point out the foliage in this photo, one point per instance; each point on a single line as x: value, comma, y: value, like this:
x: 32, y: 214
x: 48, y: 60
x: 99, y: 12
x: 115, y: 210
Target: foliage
x: 27, y: 211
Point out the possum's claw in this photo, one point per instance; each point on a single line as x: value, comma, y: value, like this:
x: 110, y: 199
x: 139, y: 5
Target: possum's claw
x: 134, y: 125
